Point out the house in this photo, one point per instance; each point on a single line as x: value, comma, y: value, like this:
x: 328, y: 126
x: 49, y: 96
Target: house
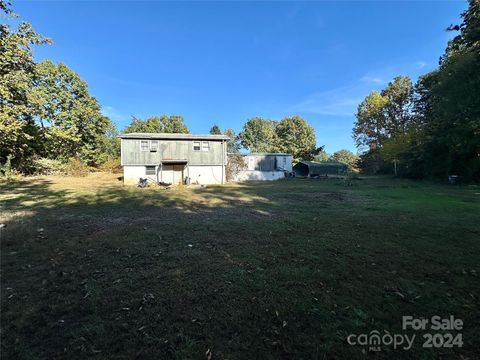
x: 170, y: 158
x: 319, y: 168
x: 264, y: 166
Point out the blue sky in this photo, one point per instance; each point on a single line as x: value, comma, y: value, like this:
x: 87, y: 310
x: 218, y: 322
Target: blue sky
x: 223, y: 62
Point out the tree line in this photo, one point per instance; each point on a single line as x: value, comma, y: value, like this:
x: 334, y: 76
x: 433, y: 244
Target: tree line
x: 431, y: 128
x: 47, y: 115
x: 49, y: 120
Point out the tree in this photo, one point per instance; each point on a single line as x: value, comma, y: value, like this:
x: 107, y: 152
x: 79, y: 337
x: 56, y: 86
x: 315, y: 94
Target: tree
x: 233, y: 144
x: 258, y: 135
x: 157, y: 124
x: 398, y: 106
x: 381, y: 116
x: 17, y: 126
x: 346, y: 157
x: 369, y: 128
x: 321, y: 154
x: 71, y: 123
x: 215, y: 130
x: 5, y: 7
x: 448, y: 105
x: 173, y: 124
x: 296, y: 137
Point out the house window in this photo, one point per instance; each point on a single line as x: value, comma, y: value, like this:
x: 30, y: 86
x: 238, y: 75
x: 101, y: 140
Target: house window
x: 144, y: 145
x: 153, y: 145
x: 149, y: 170
x: 205, y: 146
x: 196, y: 146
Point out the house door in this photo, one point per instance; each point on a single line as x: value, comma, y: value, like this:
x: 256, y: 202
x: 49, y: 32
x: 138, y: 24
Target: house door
x: 178, y: 174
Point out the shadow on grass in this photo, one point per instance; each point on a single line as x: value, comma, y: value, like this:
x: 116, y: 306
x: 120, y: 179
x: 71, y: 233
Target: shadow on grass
x: 257, y: 270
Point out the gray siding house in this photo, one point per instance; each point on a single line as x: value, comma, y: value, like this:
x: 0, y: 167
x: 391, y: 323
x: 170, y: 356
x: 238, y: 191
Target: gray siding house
x: 169, y: 158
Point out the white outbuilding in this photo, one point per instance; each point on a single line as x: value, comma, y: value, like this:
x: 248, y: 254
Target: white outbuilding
x: 264, y: 166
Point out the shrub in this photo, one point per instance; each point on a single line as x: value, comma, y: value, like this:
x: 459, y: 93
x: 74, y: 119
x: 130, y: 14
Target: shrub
x: 75, y: 167
x: 235, y: 164
x: 111, y: 165
x: 44, y: 166
x: 6, y: 169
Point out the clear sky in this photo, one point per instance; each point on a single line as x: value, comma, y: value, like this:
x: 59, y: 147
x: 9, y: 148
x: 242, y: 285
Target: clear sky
x: 223, y: 62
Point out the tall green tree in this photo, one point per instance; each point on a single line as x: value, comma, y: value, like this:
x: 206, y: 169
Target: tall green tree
x: 258, y: 135
x: 17, y: 71
x: 295, y: 136
x: 5, y: 7
x: 233, y: 144
x: 381, y: 116
x: 398, y: 106
x: 321, y: 154
x: 346, y: 157
x: 157, y: 124
x: 448, y: 105
x: 215, y: 130
x: 370, y: 127
x: 69, y: 117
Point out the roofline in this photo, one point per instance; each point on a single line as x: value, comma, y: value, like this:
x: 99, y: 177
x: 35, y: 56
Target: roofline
x: 263, y: 154
x: 174, y: 136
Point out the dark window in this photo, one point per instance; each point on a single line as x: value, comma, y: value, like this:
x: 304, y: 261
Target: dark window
x: 196, y: 146
x: 149, y: 170
x: 153, y: 145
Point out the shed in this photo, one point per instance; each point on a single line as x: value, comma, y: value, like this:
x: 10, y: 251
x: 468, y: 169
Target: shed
x: 319, y: 168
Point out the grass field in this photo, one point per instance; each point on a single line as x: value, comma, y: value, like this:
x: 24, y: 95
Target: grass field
x: 271, y: 270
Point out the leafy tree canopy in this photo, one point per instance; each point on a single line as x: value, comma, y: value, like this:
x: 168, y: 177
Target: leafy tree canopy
x: 258, y: 135
x: 233, y: 144
x: 157, y: 124
x: 17, y: 70
x: 346, y: 157
x: 69, y: 117
x: 215, y: 130
x: 296, y: 137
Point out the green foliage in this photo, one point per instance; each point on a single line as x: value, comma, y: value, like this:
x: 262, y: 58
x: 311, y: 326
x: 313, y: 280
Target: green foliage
x: 5, y: 7
x: 448, y: 106
x: 6, y: 169
x: 76, y: 167
x: 157, y: 124
x: 17, y: 128
x: 46, y: 111
x: 70, y: 119
x: 296, y: 137
x: 321, y: 154
x: 215, y: 130
x: 45, y: 166
x: 258, y: 135
x: 233, y: 144
x: 433, y: 129
x: 381, y: 116
x: 291, y: 135
x: 347, y: 157
x: 111, y: 165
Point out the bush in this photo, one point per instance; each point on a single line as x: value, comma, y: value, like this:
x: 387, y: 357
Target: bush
x: 235, y: 164
x: 75, y: 167
x: 6, y: 170
x: 44, y: 166
x: 111, y: 165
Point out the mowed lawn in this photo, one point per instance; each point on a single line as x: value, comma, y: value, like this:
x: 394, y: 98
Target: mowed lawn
x: 271, y: 270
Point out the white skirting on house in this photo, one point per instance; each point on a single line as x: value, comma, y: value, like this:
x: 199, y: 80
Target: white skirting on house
x: 201, y: 174
x: 252, y: 175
